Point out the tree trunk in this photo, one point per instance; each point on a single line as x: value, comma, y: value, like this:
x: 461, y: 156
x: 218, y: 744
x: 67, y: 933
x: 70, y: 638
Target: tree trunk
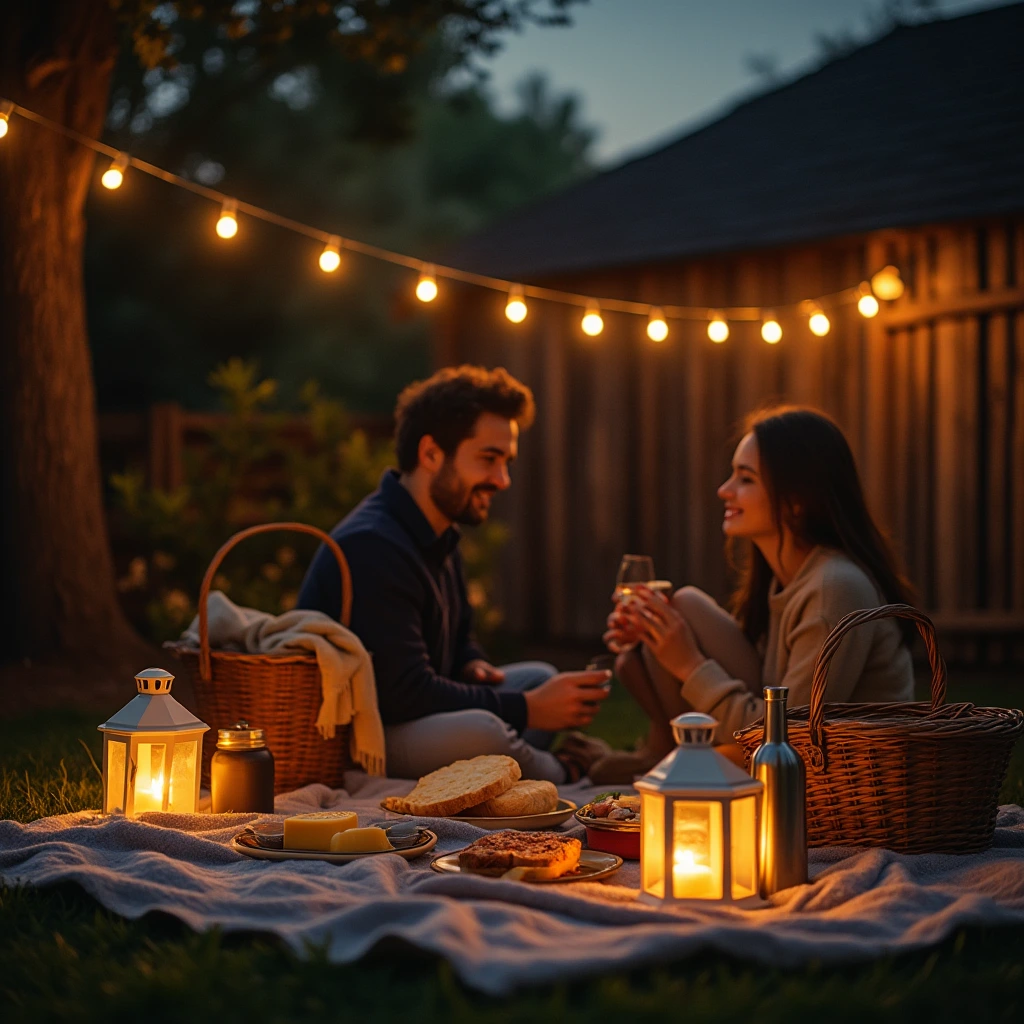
x: 57, y: 575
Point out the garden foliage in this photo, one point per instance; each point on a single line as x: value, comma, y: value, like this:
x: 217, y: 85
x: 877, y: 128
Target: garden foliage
x: 259, y: 465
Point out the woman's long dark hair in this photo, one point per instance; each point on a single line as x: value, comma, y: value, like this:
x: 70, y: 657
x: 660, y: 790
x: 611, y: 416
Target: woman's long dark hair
x: 814, y: 489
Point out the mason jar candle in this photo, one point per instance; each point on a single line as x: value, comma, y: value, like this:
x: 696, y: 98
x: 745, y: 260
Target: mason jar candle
x: 242, y: 771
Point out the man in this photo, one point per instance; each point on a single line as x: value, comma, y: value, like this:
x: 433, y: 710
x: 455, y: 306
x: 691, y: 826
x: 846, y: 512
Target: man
x: 456, y: 436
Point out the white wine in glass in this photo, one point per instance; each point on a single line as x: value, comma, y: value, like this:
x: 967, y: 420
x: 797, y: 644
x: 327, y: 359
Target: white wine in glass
x: 634, y: 571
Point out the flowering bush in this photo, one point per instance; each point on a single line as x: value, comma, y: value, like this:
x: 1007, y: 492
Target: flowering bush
x: 255, y: 469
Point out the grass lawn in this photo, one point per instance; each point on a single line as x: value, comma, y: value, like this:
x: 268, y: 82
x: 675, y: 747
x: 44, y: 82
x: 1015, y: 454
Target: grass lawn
x: 62, y: 957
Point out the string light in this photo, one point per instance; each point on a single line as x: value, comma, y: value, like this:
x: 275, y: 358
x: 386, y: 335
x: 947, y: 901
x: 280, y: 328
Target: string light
x: 887, y: 283
x: 592, y: 323
x: 227, y: 225
x: 867, y: 304
x: 770, y: 329
x: 718, y: 329
x: 6, y: 109
x: 657, y: 329
x: 426, y: 287
x: 515, y: 308
x: 819, y: 324
x: 330, y: 258
x: 114, y: 174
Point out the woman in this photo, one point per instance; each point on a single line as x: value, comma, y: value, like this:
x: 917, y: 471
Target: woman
x: 814, y: 555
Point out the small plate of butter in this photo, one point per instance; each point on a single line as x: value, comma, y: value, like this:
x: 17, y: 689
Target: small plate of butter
x: 332, y: 836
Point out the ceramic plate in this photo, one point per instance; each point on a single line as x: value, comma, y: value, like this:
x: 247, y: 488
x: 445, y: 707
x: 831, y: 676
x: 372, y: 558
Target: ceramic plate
x: 524, y: 822
x: 246, y: 843
x: 593, y: 865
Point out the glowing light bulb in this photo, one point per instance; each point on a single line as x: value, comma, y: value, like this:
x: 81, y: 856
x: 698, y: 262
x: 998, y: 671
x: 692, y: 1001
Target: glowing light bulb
x: 227, y: 225
x: 770, y: 330
x: 887, y: 283
x: 657, y: 329
x: 819, y: 324
x: 867, y: 304
x: 6, y: 109
x: 330, y: 258
x: 718, y: 329
x: 515, y: 308
x: 592, y: 323
x: 426, y: 287
x: 113, y: 176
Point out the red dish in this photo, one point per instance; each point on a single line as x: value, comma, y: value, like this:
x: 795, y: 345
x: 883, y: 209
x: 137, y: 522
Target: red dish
x: 625, y: 844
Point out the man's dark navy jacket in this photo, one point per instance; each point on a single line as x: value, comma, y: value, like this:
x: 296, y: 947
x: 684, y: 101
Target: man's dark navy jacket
x: 409, y: 608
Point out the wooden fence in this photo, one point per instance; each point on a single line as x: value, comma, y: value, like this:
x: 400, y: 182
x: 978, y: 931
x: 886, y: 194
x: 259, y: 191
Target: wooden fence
x: 633, y: 438
x: 157, y: 440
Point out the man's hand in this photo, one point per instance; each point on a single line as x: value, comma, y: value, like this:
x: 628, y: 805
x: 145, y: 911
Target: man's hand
x: 566, y: 701
x: 654, y: 621
x: 480, y: 671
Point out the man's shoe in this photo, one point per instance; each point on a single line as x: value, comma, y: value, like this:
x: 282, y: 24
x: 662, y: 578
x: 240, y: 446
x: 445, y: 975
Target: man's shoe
x: 620, y: 767
x: 578, y: 752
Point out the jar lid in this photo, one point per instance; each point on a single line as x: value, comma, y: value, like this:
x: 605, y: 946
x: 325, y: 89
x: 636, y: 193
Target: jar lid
x: 240, y: 736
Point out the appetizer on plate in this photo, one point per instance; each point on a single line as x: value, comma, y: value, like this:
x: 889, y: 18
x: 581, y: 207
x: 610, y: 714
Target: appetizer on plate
x: 613, y: 807
x: 544, y: 855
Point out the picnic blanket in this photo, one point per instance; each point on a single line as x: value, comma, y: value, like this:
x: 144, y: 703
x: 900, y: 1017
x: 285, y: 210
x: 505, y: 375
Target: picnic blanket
x: 500, y: 936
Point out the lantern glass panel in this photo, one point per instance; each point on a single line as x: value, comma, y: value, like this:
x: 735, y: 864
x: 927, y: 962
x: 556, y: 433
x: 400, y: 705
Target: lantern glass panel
x: 652, y: 814
x: 117, y: 755
x: 150, y: 777
x: 696, y: 850
x: 743, y: 840
x: 183, y: 777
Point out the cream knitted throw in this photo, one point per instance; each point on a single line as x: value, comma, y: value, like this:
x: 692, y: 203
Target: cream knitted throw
x: 350, y: 694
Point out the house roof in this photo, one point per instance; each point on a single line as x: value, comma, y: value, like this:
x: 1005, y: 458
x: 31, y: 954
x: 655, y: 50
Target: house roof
x: 924, y: 125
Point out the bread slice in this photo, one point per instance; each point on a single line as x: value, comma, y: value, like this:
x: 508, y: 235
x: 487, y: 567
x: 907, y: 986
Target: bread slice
x: 543, y: 854
x: 528, y: 796
x: 460, y: 785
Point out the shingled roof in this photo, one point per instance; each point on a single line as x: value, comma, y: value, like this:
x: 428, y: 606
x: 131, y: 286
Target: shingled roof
x: 924, y: 125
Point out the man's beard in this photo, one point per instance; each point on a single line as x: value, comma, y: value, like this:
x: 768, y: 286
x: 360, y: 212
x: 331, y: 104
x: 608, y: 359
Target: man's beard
x: 454, y: 498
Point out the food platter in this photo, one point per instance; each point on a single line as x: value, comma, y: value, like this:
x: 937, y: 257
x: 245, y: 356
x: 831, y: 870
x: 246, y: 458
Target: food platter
x: 593, y: 865
x: 524, y: 822
x: 248, y: 844
x: 611, y: 836
x: 603, y: 824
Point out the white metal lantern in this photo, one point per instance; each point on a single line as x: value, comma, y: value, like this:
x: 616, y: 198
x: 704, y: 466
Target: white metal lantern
x: 699, y: 817
x: 152, y: 751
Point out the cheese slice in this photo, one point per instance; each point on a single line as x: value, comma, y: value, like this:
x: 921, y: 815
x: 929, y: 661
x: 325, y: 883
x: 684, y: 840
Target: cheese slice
x: 314, y: 831
x: 360, y: 840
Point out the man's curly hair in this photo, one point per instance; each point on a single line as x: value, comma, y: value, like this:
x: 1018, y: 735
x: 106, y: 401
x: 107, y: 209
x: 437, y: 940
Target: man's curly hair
x: 447, y: 405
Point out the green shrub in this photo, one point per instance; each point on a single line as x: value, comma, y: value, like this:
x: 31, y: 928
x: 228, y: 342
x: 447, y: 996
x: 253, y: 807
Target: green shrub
x: 257, y: 468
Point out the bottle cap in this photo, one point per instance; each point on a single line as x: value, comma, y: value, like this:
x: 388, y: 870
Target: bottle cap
x: 240, y: 736
x: 776, y: 692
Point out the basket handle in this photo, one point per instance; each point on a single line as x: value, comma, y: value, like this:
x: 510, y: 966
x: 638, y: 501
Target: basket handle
x: 816, y: 720
x: 204, y: 591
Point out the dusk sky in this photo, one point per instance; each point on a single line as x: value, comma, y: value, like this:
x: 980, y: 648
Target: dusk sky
x: 648, y: 69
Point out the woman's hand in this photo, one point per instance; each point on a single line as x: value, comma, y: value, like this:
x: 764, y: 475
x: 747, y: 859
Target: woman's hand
x: 621, y: 634
x: 651, y: 619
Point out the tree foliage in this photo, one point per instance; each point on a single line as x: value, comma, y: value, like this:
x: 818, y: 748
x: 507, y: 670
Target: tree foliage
x: 168, y: 301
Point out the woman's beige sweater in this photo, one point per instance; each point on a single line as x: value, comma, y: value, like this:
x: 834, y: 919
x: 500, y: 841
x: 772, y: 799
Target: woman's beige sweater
x: 871, y: 664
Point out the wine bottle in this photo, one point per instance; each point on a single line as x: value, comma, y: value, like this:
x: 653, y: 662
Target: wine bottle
x: 783, y: 830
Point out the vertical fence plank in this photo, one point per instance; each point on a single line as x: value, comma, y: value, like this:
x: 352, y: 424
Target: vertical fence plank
x: 1017, y: 460
x: 554, y: 503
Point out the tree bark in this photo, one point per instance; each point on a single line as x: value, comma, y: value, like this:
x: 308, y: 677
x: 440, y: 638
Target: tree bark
x: 57, y: 575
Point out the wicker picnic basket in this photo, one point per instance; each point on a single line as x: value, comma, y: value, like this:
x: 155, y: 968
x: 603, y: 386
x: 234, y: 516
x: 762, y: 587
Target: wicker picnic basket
x: 912, y: 777
x: 280, y: 694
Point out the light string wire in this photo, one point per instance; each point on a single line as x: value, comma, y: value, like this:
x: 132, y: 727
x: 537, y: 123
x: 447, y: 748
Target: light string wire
x: 702, y: 313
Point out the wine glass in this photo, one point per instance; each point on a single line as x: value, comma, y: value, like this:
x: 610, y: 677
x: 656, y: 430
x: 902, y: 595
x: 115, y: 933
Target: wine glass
x: 633, y: 571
